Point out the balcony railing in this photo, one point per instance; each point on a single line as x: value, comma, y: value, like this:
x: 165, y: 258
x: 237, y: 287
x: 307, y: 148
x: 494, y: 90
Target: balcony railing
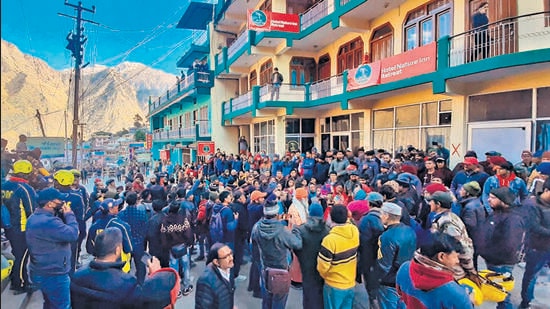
x: 242, y: 101
x: 205, y: 128
x: 315, y: 13
x: 287, y: 92
x: 187, y: 132
x: 175, y: 133
x: 507, y: 36
x: 327, y: 87
x: 237, y: 45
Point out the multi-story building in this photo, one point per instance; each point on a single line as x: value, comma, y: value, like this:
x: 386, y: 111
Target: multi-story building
x: 377, y: 73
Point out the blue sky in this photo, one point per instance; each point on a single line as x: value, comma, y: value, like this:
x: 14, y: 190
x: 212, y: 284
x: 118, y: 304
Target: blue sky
x: 138, y: 31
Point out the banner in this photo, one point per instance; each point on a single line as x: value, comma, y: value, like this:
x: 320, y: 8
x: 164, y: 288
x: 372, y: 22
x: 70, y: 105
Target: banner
x: 272, y: 21
x: 205, y: 148
x: 51, y: 147
x: 149, y: 141
x: 418, y: 61
x: 364, y: 75
x: 165, y: 155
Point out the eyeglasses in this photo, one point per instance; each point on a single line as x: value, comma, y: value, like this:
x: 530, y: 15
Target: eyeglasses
x: 225, y: 257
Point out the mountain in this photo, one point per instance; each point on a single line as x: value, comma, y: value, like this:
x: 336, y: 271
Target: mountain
x: 110, y: 96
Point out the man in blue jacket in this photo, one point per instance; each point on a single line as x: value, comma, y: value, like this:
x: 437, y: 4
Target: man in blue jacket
x: 50, y: 232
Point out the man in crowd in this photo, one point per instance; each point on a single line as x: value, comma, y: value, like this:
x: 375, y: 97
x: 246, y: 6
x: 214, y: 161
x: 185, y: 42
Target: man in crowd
x: 471, y: 172
x: 51, y: 231
x: 337, y: 260
x: 20, y: 199
x: 216, y: 286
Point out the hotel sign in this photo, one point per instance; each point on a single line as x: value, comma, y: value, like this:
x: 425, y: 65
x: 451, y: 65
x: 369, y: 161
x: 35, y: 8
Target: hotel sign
x: 272, y: 21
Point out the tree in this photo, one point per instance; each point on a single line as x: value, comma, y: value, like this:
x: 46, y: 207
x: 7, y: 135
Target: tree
x: 139, y: 136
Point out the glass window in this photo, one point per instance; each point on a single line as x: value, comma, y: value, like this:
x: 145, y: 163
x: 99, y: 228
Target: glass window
x: 308, y: 125
x: 411, y: 38
x: 340, y: 123
x: 406, y: 137
x: 357, y: 121
x: 383, y: 139
x: 430, y: 135
x: 443, y: 24
x: 543, y: 102
x: 357, y: 139
x: 407, y: 116
x: 427, y: 32
x: 307, y: 143
x: 429, y: 114
x: 542, y: 137
x: 500, y: 106
x: 292, y: 126
x: 383, y: 118
x: 446, y: 106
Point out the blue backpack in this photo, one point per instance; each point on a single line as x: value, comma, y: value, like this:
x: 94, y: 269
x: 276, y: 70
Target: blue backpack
x: 216, y: 226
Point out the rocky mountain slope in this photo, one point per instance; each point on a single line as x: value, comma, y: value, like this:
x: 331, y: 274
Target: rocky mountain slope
x: 110, y: 96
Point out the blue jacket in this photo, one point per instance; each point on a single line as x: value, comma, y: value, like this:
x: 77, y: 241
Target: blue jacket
x: 463, y: 177
x: 276, y: 165
x: 538, y: 236
x: 214, y: 291
x: 49, y: 241
x: 76, y: 202
x: 104, y: 222
x: 20, y: 199
x: 397, y: 245
x: 229, y: 222
x: 517, y: 185
x: 136, y: 217
x: 370, y: 229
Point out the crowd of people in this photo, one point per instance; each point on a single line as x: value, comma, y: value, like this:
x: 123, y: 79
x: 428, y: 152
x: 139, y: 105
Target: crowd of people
x: 404, y: 225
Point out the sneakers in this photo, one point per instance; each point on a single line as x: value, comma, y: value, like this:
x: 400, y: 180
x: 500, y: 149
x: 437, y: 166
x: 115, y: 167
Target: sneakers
x: 240, y: 278
x: 188, y: 290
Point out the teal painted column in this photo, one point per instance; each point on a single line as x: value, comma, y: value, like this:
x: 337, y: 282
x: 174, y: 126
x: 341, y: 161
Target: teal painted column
x: 344, y: 102
x: 307, y: 93
x: 224, y: 54
x: 442, y: 66
x: 255, y: 99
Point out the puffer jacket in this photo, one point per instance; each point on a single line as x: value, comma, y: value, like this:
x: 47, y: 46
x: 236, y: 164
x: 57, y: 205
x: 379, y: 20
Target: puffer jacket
x: 213, y: 291
x: 538, y: 235
x: 312, y: 233
x: 472, y: 214
x: 274, y: 242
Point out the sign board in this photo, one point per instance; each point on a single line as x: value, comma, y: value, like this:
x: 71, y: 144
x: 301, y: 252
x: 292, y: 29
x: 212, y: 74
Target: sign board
x: 272, y: 21
x: 136, y: 145
x: 149, y: 141
x: 364, y: 75
x: 420, y: 60
x: 51, y: 147
x: 143, y: 157
x: 205, y: 148
x: 165, y: 155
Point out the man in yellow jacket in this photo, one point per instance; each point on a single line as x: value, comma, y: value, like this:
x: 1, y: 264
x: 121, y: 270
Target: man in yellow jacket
x: 337, y: 260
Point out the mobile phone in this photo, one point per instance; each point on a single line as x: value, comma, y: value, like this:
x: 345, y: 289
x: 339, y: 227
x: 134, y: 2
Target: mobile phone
x: 146, y: 258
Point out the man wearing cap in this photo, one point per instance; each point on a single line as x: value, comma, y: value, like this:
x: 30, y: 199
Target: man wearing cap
x: 51, y: 231
x: 20, y: 199
x: 103, y: 283
x: 504, y: 177
x: 108, y: 218
x: 471, y: 172
x: 487, y: 164
x: 216, y: 285
x: 396, y: 246
x: 501, y: 236
x: 255, y: 213
x: 312, y: 233
x: 472, y: 212
x: 408, y: 192
x: 274, y: 242
x: 63, y: 181
x: 443, y: 171
x: 370, y: 229
x: 445, y: 221
x: 524, y: 167
x: 537, y: 247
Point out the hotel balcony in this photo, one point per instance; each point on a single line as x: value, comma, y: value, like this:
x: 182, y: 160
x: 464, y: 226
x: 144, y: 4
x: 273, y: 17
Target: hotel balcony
x: 197, y: 14
x: 200, y: 131
x: 231, y: 14
x: 198, y: 49
x: 517, y: 45
x: 187, y: 90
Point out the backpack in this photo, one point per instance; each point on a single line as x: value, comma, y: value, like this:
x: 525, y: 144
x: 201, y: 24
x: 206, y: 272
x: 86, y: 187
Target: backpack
x: 216, y: 226
x: 175, y: 229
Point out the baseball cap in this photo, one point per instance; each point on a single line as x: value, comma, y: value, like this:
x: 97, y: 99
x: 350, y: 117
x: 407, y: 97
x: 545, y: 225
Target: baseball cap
x: 110, y: 203
x: 445, y: 198
x: 375, y: 197
x: 50, y: 194
x: 256, y: 195
x: 471, y: 161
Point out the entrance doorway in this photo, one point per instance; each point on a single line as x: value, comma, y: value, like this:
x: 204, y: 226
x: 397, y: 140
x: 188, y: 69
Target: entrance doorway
x: 508, y: 138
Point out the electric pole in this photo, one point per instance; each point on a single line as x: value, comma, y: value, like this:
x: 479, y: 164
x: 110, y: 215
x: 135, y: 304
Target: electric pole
x: 40, y: 122
x: 76, y: 46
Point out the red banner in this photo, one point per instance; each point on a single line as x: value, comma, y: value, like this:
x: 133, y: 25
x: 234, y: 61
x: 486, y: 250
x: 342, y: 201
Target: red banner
x: 418, y: 61
x: 205, y: 148
x: 272, y: 21
x: 149, y: 141
x: 165, y: 155
x: 364, y: 75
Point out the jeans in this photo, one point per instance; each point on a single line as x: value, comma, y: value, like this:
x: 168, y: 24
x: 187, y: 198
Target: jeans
x: 387, y: 297
x: 271, y: 301
x: 183, y: 262
x: 507, y: 303
x: 334, y: 298
x: 139, y: 266
x: 56, y: 290
x: 534, y: 262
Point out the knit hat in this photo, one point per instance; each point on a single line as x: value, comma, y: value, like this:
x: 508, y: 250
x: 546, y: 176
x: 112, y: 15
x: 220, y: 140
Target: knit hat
x: 505, y: 195
x: 472, y: 188
x: 271, y: 208
x: 375, y: 197
x: 339, y: 214
x: 393, y: 184
x: 300, y: 193
x: 391, y: 208
x: 316, y: 210
x: 256, y: 195
x: 470, y: 154
x: 471, y: 161
x: 544, y: 168
x: 493, y: 153
x: 360, y: 195
x: 445, y: 199
x: 435, y: 187
x: 497, y: 160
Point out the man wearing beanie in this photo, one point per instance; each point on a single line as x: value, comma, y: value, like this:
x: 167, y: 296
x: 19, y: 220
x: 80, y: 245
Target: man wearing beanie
x: 471, y: 171
x: 337, y: 260
x: 537, y: 247
x: 397, y: 245
x: 504, y: 177
x: 312, y: 233
x: 501, y: 236
x: 359, y: 206
x: 274, y: 242
x: 50, y: 231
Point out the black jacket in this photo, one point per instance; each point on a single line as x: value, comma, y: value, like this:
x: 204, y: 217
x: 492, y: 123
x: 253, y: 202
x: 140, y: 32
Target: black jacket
x: 213, y: 291
x: 104, y: 285
x: 312, y: 233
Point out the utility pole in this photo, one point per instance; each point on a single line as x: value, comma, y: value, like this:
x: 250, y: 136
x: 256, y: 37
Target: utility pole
x: 76, y: 46
x: 40, y: 122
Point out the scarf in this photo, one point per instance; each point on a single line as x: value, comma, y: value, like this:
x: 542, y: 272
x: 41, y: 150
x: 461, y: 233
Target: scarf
x: 505, y: 181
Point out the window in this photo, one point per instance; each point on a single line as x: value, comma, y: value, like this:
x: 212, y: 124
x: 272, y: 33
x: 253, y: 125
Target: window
x: 205, y: 125
x: 265, y: 72
x: 543, y: 102
x: 324, y: 67
x: 253, y: 80
x: 427, y: 23
x: 266, y: 6
x: 302, y: 70
x: 500, y: 106
x: 264, y: 136
x: 300, y: 134
x: 350, y: 55
x: 418, y: 124
x: 381, y: 45
x: 343, y: 131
